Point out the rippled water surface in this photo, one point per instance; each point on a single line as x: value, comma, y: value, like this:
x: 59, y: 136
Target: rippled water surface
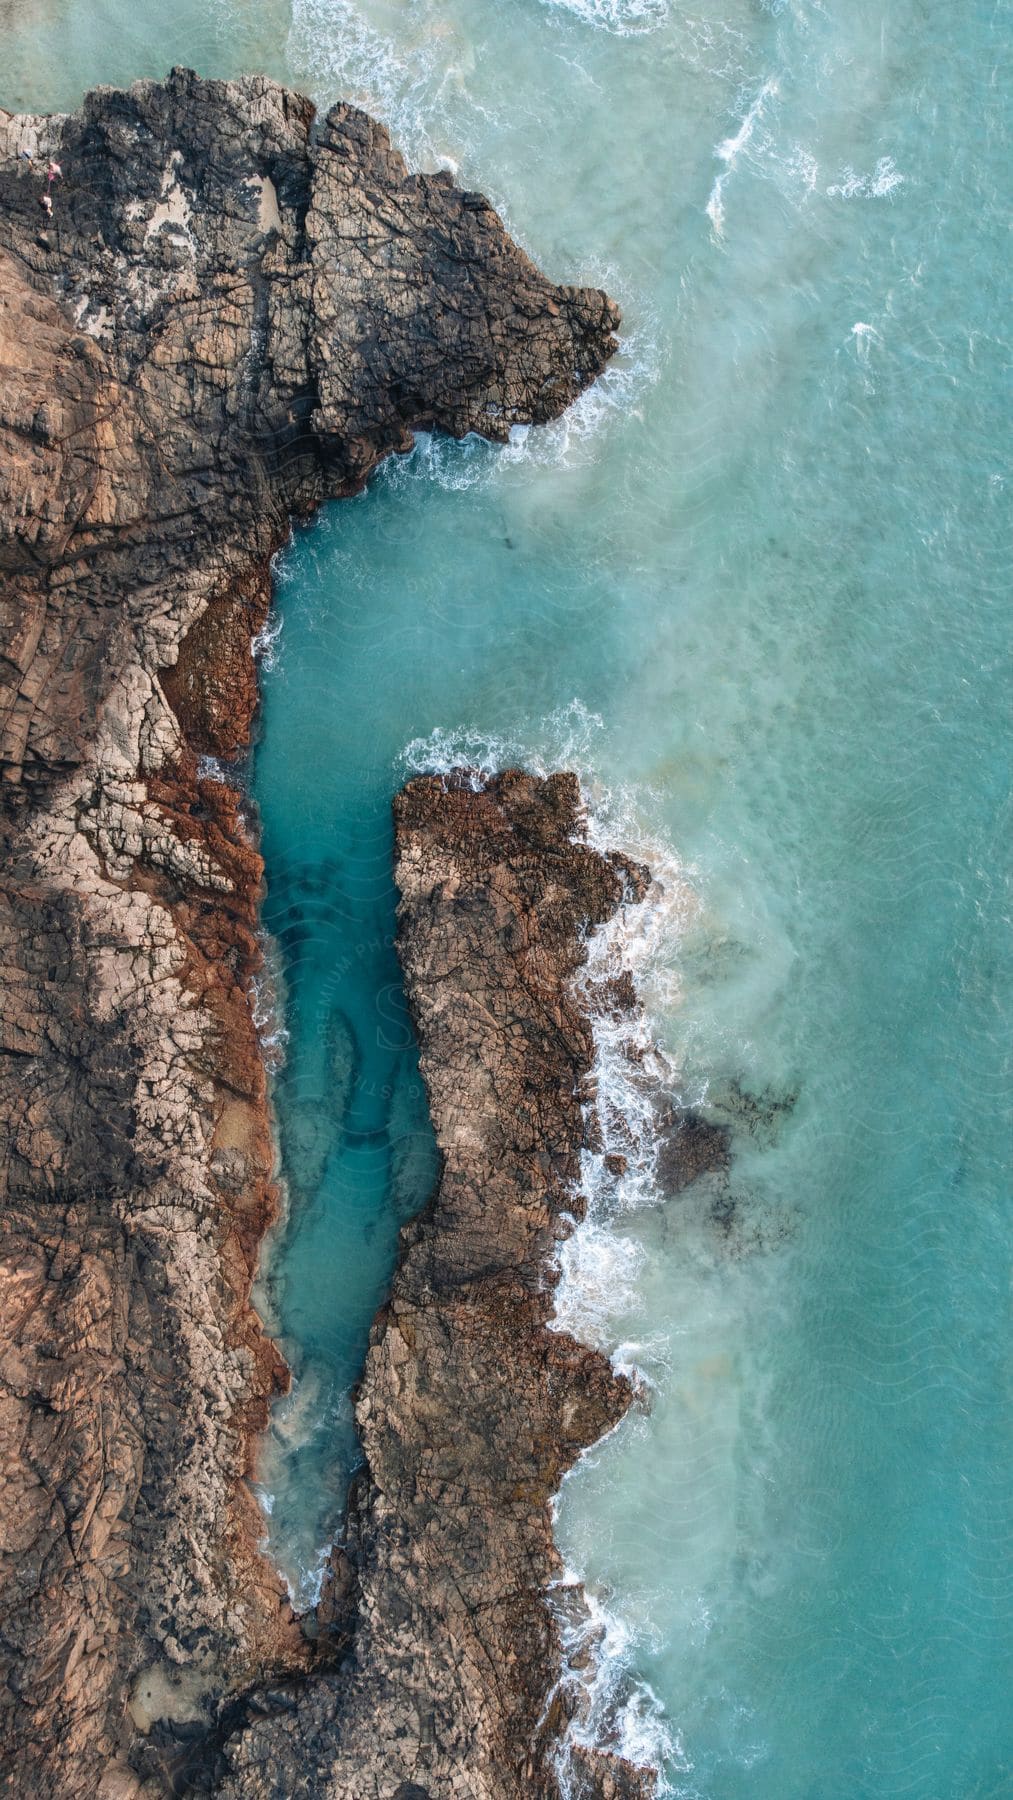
x: 755, y: 587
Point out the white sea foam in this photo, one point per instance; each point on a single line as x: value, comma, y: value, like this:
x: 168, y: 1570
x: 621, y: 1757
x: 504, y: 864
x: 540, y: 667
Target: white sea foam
x: 713, y: 47
x: 267, y: 1007
x: 729, y: 151
x: 642, y: 939
x: 575, y: 436
x: 567, y: 735
x: 864, y: 335
x: 574, y: 440
x: 599, y: 1647
x: 599, y: 1263
x: 296, y: 1420
x: 599, y: 1272
x: 624, y: 18
x: 264, y: 643
x: 883, y: 180
x: 399, y: 83
x: 419, y: 86
x: 792, y: 167
x: 305, y: 1589
x: 801, y: 168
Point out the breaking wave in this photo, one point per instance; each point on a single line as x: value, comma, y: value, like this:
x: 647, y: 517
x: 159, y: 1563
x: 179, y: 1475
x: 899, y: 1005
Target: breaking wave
x: 574, y: 440
x: 599, y: 1649
x: 884, y: 179
x: 567, y: 736
x: 264, y: 643
x: 599, y: 1263
x: 268, y: 1006
x: 342, y: 53
x: 729, y: 151
x: 420, y: 88
x: 624, y: 18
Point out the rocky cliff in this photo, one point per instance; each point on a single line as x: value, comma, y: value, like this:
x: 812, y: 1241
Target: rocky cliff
x: 235, y: 311
x: 471, y: 1408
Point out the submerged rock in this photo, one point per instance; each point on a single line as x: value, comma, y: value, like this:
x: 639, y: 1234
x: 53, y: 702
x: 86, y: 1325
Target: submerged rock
x: 236, y: 312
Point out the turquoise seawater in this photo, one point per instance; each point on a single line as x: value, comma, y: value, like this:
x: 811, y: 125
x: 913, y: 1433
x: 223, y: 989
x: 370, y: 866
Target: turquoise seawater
x: 756, y: 588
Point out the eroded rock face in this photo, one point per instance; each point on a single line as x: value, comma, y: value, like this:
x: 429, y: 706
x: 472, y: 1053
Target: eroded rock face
x: 471, y: 1409
x: 232, y: 316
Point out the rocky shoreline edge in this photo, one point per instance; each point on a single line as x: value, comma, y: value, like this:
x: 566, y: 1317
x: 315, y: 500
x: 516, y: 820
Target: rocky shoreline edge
x: 235, y: 311
x: 472, y: 1404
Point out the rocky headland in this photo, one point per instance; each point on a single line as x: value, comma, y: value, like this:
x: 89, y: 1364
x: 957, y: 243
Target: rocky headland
x: 235, y: 311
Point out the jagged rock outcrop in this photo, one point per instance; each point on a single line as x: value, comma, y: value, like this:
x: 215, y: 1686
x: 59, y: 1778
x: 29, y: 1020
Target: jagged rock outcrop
x: 471, y: 1408
x: 234, y: 313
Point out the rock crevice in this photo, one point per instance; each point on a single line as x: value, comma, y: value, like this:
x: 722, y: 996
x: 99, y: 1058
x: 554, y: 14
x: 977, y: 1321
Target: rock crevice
x: 234, y: 314
x: 471, y: 1408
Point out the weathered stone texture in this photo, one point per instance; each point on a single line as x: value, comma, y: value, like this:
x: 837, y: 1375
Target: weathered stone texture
x: 471, y: 1409
x: 233, y: 315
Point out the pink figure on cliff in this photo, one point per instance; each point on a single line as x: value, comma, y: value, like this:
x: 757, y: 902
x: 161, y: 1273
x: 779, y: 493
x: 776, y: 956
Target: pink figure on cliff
x: 54, y: 172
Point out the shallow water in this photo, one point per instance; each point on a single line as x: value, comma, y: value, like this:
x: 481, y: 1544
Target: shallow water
x: 755, y: 588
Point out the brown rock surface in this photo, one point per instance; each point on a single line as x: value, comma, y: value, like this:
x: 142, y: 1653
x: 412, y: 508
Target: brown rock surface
x: 471, y: 1408
x: 236, y: 312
